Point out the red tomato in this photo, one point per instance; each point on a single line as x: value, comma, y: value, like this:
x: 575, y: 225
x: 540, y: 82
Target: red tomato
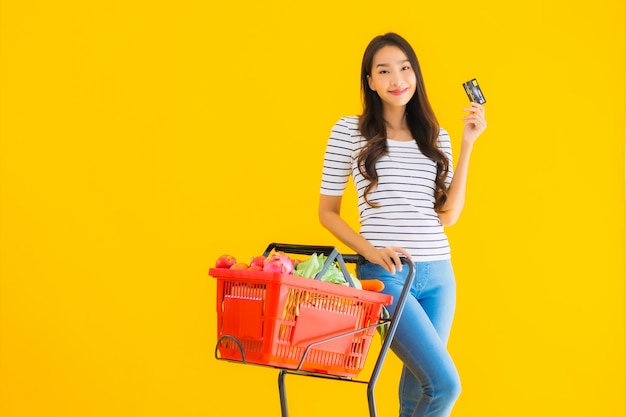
x: 225, y: 261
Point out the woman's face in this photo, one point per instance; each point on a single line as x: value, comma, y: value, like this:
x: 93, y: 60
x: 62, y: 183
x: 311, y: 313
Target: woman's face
x: 392, y: 77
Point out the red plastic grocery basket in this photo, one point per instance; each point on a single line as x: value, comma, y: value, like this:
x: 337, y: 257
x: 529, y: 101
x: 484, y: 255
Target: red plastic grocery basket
x: 298, y: 324
x: 276, y: 316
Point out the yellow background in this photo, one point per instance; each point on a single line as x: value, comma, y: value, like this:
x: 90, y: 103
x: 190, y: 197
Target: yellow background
x: 142, y: 139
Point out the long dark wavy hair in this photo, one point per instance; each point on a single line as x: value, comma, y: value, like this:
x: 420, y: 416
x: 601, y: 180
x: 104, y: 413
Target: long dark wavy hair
x: 420, y: 118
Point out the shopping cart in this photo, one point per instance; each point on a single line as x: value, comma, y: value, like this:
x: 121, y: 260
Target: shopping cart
x: 304, y: 326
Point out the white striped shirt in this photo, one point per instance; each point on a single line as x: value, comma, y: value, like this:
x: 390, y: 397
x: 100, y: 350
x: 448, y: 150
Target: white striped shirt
x: 405, y: 191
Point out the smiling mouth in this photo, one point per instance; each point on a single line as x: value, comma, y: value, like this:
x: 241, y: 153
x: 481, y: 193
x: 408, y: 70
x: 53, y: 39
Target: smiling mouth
x: 399, y: 91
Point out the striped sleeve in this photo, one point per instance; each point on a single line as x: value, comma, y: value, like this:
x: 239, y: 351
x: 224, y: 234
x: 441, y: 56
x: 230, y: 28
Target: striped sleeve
x: 337, y: 159
x: 446, y: 147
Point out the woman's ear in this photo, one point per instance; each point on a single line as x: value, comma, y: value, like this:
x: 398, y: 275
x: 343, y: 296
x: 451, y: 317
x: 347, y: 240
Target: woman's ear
x: 369, y: 82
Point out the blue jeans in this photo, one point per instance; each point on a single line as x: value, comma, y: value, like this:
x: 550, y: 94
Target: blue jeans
x: 429, y: 383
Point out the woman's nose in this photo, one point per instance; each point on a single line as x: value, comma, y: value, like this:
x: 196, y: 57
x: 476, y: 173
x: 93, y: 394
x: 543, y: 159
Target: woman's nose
x: 397, y: 81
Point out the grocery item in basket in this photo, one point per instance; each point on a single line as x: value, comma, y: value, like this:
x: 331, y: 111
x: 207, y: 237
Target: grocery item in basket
x: 257, y: 261
x: 309, y: 268
x: 225, y: 261
x: 375, y: 285
x: 278, y: 262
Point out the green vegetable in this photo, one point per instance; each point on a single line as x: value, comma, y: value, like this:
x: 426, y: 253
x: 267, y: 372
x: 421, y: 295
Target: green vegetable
x: 309, y: 268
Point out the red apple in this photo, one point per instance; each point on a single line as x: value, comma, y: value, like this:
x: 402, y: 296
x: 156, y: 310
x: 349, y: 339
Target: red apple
x: 225, y: 261
x: 255, y: 268
x: 258, y: 261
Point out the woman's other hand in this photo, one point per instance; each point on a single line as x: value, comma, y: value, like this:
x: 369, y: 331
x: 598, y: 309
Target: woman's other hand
x: 475, y: 123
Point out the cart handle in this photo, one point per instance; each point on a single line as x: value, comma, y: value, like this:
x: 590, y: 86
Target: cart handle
x: 331, y: 252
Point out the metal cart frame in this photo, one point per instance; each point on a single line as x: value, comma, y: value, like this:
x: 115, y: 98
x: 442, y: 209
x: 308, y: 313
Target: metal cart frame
x: 333, y: 255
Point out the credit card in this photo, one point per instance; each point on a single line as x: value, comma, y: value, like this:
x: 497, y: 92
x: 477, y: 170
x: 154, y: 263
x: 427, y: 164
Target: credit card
x: 473, y: 91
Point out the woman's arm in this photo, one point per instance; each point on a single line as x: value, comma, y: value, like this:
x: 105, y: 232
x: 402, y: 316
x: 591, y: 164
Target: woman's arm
x: 475, y: 124
x: 329, y: 216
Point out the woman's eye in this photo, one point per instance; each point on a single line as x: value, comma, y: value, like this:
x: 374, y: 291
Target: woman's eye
x: 383, y: 72
x: 405, y: 68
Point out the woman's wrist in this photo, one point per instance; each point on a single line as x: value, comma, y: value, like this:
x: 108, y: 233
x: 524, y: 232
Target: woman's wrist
x: 368, y: 251
x: 467, y: 143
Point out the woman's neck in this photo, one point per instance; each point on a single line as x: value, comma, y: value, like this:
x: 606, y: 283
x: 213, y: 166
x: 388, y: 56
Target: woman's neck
x: 395, y: 118
x: 396, y: 124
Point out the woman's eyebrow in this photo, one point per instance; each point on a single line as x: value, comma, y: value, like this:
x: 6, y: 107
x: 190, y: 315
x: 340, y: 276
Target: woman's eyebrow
x: 386, y: 65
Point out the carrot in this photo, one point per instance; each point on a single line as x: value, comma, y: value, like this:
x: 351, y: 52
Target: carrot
x: 372, y: 285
